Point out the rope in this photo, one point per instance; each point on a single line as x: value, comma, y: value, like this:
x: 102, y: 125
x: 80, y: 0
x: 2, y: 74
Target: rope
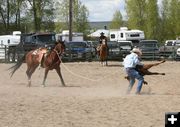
x: 80, y: 76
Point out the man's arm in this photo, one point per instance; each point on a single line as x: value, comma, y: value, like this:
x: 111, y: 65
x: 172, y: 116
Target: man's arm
x: 137, y: 61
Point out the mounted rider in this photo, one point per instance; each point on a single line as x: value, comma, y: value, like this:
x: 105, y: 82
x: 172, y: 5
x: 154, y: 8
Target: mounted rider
x: 102, y: 40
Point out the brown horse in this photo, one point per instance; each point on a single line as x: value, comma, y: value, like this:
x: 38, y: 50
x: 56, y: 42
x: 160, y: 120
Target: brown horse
x: 103, y: 52
x: 50, y: 61
x: 143, y: 70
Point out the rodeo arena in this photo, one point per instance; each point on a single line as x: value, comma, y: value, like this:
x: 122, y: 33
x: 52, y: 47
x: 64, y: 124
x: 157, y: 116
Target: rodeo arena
x: 49, y: 81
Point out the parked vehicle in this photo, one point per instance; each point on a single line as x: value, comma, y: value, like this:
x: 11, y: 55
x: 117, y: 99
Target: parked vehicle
x: 169, y: 49
x: 177, y: 57
x: 123, y: 34
x: 8, y: 42
x: 32, y: 41
x: 178, y: 52
x: 93, y: 48
x: 77, y: 50
x: 125, y: 47
x: 64, y: 36
x: 114, y: 51
x: 149, y: 48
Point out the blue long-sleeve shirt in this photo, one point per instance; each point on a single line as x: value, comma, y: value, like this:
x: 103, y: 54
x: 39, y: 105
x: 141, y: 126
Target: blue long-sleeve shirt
x: 131, y: 60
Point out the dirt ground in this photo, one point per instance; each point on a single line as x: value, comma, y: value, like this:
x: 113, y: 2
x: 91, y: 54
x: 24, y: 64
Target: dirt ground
x: 95, y: 96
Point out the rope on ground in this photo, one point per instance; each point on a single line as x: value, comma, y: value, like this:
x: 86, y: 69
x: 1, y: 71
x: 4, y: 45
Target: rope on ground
x: 83, y: 77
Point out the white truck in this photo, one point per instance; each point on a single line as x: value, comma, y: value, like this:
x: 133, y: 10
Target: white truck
x: 170, y: 49
x: 7, y: 41
x: 123, y: 34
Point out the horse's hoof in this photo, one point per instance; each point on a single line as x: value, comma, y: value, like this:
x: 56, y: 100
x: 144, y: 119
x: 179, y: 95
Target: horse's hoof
x: 163, y: 61
x: 29, y: 85
x: 64, y: 85
x: 145, y: 83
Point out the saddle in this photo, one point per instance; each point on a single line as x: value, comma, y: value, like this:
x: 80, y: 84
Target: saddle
x: 98, y: 47
x: 40, y: 53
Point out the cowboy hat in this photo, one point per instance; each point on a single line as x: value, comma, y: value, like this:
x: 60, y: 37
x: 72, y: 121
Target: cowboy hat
x: 136, y: 50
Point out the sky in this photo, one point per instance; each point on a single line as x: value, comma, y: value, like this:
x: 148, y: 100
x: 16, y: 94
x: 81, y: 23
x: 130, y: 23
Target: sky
x: 103, y: 10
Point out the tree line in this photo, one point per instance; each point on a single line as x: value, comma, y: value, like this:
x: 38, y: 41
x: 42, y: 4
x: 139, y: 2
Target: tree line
x: 158, y: 22
x: 41, y: 15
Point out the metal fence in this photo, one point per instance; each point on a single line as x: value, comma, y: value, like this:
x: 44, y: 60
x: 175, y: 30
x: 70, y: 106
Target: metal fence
x: 4, y: 57
x: 171, y: 55
x: 8, y: 56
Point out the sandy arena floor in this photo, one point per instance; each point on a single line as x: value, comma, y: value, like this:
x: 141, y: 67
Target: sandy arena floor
x: 94, y: 97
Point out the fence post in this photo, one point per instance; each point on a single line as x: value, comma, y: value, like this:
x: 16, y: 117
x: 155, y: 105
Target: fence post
x: 5, y: 53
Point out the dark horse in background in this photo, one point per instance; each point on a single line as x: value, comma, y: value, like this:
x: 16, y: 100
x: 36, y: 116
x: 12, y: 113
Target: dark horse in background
x: 50, y: 61
x: 103, y: 53
x: 143, y: 70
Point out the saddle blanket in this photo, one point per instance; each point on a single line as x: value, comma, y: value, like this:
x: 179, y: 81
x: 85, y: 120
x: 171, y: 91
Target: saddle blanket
x: 39, y: 53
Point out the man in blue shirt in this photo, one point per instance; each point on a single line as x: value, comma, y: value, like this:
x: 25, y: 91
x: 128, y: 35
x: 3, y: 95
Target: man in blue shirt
x: 130, y: 63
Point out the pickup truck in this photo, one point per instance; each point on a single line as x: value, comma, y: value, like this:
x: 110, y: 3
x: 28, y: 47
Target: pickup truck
x: 169, y: 49
x: 149, y: 48
x: 29, y: 42
x: 125, y: 47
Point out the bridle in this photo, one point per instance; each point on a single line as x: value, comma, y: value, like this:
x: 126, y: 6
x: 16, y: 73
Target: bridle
x: 59, y: 53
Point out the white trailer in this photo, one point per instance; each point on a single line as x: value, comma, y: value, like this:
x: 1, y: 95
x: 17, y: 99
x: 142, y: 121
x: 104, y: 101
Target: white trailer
x: 123, y: 34
x: 64, y: 36
x: 7, y: 41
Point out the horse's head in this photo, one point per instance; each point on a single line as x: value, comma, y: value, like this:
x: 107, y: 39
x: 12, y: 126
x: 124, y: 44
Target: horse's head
x: 59, y: 47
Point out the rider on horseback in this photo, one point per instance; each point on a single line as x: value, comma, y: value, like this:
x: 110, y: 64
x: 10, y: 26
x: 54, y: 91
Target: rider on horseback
x: 102, y: 40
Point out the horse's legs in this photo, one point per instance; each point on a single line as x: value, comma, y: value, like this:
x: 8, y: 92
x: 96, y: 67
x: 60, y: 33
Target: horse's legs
x: 106, y: 57
x: 29, y: 73
x: 106, y: 61
x: 45, y: 76
x: 29, y: 76
x: 58, y: 70
x: 101, y: 61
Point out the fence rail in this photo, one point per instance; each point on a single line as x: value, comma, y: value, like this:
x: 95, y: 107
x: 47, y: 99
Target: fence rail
x: 4, y: 53
x: 10, y: 55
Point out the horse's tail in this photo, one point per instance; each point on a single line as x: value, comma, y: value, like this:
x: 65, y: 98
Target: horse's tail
x: 17, y: 65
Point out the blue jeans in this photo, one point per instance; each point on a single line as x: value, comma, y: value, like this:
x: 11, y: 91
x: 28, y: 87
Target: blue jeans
x: 133, y: 74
